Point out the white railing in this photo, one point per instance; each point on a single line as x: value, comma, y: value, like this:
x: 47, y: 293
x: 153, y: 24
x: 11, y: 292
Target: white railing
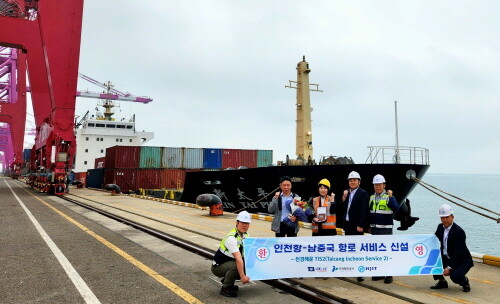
x: 398, y: 155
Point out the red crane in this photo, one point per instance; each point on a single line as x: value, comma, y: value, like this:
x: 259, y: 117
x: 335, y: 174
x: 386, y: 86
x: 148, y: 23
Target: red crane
x: 49, y: 34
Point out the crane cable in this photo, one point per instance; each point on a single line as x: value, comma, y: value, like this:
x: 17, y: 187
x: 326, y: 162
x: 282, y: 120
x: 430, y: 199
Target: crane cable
x: 428, y: 187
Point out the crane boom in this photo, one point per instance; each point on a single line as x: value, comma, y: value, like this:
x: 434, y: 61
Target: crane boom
x: 88, y: 94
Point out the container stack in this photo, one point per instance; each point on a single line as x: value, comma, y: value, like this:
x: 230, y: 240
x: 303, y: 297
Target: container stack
x: 145, y: 167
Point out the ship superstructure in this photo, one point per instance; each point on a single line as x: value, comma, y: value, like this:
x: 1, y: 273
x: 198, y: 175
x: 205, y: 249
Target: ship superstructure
x: 100, y: 131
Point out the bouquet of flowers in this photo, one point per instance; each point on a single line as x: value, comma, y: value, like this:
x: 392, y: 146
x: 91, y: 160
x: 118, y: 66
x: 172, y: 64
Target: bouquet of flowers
x: 301, y: 210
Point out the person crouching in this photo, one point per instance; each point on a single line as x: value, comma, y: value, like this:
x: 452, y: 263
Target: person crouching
x: 228, y: 260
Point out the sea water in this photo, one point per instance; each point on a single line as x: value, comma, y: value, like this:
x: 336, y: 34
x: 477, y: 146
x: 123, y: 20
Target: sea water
x: 483, y: 234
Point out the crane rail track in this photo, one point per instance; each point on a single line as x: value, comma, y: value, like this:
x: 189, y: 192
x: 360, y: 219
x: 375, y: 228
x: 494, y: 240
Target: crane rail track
x: 291, y: 286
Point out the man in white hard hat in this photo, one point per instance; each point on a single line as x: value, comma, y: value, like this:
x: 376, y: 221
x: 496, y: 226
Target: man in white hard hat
x: 382, y: 208
x: 228, y: 260
x: 457, y: 260
x: 355, y: 200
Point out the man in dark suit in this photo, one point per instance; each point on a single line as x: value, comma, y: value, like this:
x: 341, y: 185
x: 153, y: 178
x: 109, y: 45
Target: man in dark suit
x: 357, y: 210
x: 457, y: 260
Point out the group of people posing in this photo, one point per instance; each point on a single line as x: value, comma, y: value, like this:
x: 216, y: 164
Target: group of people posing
x: 359, y: 212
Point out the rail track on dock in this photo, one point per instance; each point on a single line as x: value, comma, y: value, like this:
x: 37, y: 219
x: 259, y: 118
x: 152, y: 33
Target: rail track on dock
x: 292, y: 286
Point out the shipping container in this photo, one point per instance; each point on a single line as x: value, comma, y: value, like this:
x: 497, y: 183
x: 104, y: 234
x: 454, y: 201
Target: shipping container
x: 230, y: 158
x: 100, y: 162
x: 82, y: 177
x: 193, y: 158
x: 95, y: 178
x: 212, y: 158
x: 173, y: 178
x: 264, y: 158
x: 171, y: 157
x: 26, y: 155
x: 122, y: 157
x: 148, y: 178
x: 135, y: 179
x: 248, y: 158
x: 150, y: 157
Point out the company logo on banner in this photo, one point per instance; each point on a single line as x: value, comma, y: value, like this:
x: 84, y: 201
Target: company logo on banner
x: 342, y: 256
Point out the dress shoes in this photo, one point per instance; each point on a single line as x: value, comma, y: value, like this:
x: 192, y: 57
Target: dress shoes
x: 377, y: 278
x: 440, y: 285
x: 360, y: 279
x: 388, y: 280
x: 466, y: 287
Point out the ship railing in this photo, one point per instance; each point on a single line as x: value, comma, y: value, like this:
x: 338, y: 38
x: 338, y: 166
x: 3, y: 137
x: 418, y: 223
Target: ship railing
x: 398, y: 155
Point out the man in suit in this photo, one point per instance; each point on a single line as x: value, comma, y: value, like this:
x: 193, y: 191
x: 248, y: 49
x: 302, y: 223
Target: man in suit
x: 457, y: 259
x: 357, y: 210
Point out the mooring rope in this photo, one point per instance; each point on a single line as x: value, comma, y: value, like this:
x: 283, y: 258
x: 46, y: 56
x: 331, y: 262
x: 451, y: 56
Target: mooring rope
x: 428, y: 187
x: 272, y: 192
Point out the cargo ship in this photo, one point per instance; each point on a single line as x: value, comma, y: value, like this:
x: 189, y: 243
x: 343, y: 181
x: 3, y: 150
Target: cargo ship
x: 247, y: 179
x: 252, y: 188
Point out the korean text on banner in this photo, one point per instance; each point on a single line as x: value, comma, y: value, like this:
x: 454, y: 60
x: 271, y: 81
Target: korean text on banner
x: 342, y: 256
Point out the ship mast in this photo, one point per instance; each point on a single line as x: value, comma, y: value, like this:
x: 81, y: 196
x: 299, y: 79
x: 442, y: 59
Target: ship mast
x: 304, y: 148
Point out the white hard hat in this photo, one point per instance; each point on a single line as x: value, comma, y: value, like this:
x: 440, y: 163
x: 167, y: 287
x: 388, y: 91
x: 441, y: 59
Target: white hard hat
x: 445, y: 210
x: 354, y: 174
x: 378, y: 179
x: 244, y: 217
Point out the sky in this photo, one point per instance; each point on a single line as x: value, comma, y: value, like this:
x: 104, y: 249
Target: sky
x: 217, y: 71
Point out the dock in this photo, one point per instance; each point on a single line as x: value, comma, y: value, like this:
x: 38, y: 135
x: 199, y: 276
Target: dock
x: 84, y: 257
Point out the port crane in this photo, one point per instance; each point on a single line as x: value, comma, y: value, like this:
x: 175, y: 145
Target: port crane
x: 45, y: 37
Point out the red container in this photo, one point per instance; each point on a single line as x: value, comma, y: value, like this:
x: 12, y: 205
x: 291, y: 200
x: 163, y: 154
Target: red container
x: 173, y: 178
x: 148, y: 178
x: 124, y: 178
x: 231, y: 158
x: 99, y: 162
x: 119, y: 157
x: 82, y: 177
x: 248, y: 158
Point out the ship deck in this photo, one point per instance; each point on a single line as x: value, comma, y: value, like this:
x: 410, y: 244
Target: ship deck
x: 485, y: 279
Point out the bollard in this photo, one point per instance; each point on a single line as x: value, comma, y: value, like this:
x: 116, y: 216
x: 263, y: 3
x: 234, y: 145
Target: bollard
x: 216, y: 209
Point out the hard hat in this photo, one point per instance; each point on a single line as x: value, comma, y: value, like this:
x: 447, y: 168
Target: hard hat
x: 354, y: 174
x: 445, y: 210
x: 244, y: 217
x: 378, y: 179
x: 324, y: 182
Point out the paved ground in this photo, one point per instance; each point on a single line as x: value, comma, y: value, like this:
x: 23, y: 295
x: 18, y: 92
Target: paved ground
x: 32, y: 273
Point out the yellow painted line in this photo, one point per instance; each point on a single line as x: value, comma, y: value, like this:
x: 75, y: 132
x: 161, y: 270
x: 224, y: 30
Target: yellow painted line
x: 158, y: 277
x: 485, y: 281
x: 436, y: 294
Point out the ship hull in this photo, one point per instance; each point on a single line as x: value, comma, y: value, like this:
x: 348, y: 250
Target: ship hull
x: 252, y: 189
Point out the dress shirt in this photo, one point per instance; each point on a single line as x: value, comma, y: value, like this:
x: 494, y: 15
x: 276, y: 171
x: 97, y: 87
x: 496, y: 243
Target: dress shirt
x: 351, y: 195
x: 445, y: 240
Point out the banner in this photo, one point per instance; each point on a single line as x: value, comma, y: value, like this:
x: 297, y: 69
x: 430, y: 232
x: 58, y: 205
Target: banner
x: 342, y: 256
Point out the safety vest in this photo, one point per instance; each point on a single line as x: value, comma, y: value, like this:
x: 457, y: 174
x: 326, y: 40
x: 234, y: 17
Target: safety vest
x: 223, y: 255
x: 380, y: 213
x: 331, y: 220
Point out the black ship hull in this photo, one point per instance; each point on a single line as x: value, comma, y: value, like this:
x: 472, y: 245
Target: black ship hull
x: 253, y: 189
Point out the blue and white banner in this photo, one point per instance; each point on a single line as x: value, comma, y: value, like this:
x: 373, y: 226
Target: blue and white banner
x: 342, y: 256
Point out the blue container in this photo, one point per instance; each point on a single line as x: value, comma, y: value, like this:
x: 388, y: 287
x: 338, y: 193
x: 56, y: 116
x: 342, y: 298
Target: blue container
x: 264, y: 158
x: 212, y: 158
x: 26, y: 155
x: 95, y: 178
